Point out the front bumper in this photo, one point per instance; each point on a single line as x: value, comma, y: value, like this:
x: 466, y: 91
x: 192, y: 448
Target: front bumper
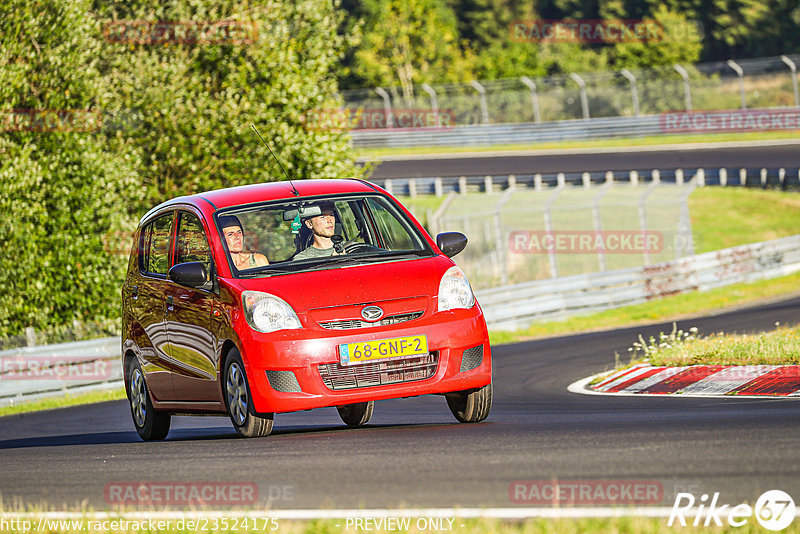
x: 301, y: 352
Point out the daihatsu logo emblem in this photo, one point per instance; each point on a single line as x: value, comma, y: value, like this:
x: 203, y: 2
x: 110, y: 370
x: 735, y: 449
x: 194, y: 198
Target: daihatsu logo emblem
x: 372, y: 313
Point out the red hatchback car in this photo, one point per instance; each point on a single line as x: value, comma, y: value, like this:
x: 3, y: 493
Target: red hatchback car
x: 289, y: 296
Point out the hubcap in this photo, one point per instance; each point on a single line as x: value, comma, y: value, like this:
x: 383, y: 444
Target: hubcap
x: 138, y: 398
x: 237, y: 394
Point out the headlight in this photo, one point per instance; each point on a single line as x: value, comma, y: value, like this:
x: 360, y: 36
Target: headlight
x: 268, y: 313
x: 455, y: 291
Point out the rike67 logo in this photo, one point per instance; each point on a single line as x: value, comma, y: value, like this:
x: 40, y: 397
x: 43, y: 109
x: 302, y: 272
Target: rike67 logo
x: 774, y: 510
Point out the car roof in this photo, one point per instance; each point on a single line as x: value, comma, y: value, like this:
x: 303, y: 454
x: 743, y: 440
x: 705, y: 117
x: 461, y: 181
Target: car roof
x: 245, y: 194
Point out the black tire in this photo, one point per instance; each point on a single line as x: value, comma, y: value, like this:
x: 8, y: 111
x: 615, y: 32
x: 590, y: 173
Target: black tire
x: 236, y: 389
x: 471, y: 406
x: 150, y: 424
x: 356, y: 414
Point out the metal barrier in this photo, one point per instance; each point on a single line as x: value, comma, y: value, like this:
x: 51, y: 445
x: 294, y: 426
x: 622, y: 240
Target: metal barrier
x: 517, y: 306
x: 442, y: 185
x: 523, y: 133
x: 30, y: 373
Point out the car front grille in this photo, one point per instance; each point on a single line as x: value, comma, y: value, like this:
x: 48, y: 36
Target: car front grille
x: 358, y: 323
x: 338, y: 377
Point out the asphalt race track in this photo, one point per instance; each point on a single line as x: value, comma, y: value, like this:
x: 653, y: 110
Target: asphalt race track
x: 414, y: 454
x: 733, y: 158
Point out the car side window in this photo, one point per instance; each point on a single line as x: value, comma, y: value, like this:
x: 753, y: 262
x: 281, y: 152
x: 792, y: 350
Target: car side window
x: 191, y: 243
x: 155, y: 246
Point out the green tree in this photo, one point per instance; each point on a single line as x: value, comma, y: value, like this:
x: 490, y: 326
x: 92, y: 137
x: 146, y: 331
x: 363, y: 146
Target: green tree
x: 63, y: 191
x: 409, y: 42
x: 194, y: 102
x: 679, y: 41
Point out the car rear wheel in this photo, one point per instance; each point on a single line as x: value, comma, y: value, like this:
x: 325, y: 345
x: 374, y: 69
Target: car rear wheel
x: 150, y: 424
x: 240, y: 403
x: 356, y: 414
x: 471, y: 406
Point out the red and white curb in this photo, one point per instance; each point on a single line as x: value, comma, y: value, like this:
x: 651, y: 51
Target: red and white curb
x: 757, y: 381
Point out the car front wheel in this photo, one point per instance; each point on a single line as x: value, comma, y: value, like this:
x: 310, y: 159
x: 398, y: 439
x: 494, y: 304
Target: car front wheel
x: 240, y: 403
x: 471, y: 406
x: 150, y: 424
x: 356, y: 414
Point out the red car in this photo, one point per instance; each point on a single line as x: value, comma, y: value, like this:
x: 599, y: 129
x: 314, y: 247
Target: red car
x: 289, y: 296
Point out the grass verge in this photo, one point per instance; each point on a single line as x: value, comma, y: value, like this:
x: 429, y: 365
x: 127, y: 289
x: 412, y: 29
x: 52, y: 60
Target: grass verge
x: 67, y: 400
x: 665, y: 309
x: 598, y: 143
x: 679, y: 348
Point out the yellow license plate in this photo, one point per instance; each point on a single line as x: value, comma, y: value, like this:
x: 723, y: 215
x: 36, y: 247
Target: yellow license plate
x: 383, y: 349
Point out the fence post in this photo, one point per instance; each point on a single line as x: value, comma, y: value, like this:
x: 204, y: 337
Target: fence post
x: 30, y: 336
x: 584, y: 99
x: 687, y: 90
x: 701, y: 177
x: 679, y: 176
x: 387, y: 184
x: 512, y: 181
x: 412, y: 187
x: 462, y: 185
x: 537, y: 182
x: 561, y: 179
x: 609, y: 177
x: 434, y: 103
x: 598, y: 223
x: 487, y: 183
x: 643, y: 217
x: 437, y: 186
x: 548, y: 228
x: 793, y: 68
x: 743, y: 177
x: 764, y: 178
x: 387, y: 106
x: 634, y: 90
x: 634, y: 178
x: 782, y: 177
x: 656, y: 174
x: 587, y: 179
x: 534, y: 98
x: 723, y: 177
x: 740, y: 73
x: 484, y: 107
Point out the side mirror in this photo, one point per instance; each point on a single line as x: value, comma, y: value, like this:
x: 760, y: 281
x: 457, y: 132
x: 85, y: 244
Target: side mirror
x: 190, y: 274
x: 451, y: 243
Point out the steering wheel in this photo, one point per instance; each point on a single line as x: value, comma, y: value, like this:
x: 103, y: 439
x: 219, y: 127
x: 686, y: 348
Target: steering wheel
x: 351, y: 246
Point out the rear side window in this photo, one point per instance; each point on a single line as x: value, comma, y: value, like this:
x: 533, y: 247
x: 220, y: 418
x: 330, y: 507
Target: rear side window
x: 155, y: 246
x: 191, y: 243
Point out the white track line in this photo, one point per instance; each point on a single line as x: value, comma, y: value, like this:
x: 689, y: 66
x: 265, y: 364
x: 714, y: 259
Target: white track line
x: 307, y: 514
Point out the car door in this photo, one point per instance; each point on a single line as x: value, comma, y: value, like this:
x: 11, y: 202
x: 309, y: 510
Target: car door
x: 148, y: 309
x: 191, y: 343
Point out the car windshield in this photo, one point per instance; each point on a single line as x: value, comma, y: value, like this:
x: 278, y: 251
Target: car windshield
x: 317, y: 233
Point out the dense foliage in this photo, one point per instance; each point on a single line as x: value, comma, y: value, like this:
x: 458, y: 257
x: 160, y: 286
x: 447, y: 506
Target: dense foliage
x: 103, y: 117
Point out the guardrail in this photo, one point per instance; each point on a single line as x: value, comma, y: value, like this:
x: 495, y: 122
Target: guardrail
x: 523, y: 132
x: 30, y: 373
x: 517, y: 306
x: 783, y: 178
